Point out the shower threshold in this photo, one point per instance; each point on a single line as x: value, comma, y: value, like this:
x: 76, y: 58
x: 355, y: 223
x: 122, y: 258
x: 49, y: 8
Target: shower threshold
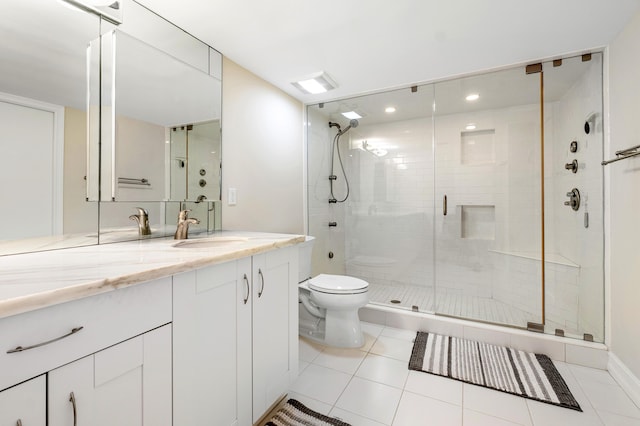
x: 451, y: 303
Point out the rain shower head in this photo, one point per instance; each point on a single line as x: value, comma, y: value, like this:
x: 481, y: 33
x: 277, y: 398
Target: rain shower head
x: 352, y: 124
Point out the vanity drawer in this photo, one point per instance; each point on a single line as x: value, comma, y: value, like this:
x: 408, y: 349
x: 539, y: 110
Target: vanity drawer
x: 106, y: 319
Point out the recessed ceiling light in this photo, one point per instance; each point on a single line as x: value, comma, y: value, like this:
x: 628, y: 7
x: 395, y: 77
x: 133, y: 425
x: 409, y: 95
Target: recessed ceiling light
x: 472, y: 97
x: 470, y: 126
x: 317, y: 83
x: 352, y: 115
x: 390, y: 109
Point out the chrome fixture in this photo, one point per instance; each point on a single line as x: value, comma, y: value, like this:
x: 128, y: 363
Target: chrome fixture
x: 182, y: 232
x: 37, y: 345
x: 133, y: 181
x: 574, y: 199
x: 142, y: 218
x: 334, y: 147
x: 201, y: 198
x: 573, y: 146
x: 573, y: 166
x: 624, y: 153
x: 109, y: 11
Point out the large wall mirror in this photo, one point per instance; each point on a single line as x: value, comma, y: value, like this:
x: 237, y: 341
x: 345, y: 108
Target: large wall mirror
x: 159, y: 138
x: 43, y: 121
x: 161, y: 125
x: 150, y: 137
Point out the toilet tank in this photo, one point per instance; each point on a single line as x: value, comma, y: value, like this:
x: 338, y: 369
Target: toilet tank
x: 304, y: 258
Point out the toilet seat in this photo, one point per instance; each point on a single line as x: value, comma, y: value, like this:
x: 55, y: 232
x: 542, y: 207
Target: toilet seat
x: 338, y: 284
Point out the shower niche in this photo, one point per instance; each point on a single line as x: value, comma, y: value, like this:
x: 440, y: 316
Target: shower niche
x: 478, y: 222
x: 465, y: 199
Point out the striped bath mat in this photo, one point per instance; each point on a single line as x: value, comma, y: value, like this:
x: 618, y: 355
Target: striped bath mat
x: 294, y: 413
x: 508, y: 370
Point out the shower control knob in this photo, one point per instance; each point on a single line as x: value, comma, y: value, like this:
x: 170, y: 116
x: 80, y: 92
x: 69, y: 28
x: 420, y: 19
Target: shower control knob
x: 573, y: 166
x: 574, y: 199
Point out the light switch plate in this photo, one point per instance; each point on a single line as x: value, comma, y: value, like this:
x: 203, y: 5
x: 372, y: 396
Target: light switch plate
x: 232, y: 199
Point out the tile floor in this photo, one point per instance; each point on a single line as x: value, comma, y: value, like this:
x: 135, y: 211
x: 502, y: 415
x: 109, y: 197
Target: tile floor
x: 372, y: 386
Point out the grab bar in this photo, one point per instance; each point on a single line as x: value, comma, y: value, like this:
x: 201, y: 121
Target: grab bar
x: 133, y: 181
x: 624, y: 153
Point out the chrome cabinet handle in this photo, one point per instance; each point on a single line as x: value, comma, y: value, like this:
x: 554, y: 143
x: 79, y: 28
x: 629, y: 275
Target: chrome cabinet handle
x: 37, y: 345
x: 262, y: 283
x: 444, y: 206
x: 72, y: 399
x: 246, y: 281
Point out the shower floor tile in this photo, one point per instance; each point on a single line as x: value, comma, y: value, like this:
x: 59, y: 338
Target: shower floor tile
x: 448, y: 303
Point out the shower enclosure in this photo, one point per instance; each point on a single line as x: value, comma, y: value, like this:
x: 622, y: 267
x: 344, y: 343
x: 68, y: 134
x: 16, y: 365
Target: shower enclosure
x: 479, y: 197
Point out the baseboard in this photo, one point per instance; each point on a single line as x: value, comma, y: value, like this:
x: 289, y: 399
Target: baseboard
x: 625, y: 377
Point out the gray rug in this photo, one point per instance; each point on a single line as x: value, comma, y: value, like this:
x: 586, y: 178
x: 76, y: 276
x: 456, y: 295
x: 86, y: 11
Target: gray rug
x: 294, y: 413
x: 505, y: 369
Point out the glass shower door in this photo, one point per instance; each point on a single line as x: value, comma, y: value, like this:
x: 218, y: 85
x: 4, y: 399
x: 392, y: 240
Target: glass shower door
x: 574, y: 248
x: 488, y: 214
x: 382, y: 231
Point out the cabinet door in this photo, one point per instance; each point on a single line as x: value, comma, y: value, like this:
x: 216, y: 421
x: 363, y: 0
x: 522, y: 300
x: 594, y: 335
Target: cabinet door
x: 212, y: 345
x: 275, y: 306
x: 24, y: 404
x: 128, y: 384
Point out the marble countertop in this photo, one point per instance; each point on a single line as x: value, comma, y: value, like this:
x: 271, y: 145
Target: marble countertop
x: 35, y: 280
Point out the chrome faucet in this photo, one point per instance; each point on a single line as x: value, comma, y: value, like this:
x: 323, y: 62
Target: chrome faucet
x: 182, y: 232
x: 142, y: 218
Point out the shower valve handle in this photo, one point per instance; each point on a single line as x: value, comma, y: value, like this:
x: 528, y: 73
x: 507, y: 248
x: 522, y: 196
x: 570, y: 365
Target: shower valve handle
x: 574, y: 199
x: 573, y: 166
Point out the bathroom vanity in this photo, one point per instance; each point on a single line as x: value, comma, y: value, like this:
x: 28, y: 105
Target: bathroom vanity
x: 155, y: 332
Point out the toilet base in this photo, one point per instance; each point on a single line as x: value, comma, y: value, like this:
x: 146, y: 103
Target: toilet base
x: 340, y: 328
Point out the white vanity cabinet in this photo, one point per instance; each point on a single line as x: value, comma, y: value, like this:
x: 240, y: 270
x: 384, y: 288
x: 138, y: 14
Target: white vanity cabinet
x: 128, y: 384
x: 234, y: 338
x: 111, y: 350
x: 24, y: 404
x: 212, y: 345
x: 275, y: 326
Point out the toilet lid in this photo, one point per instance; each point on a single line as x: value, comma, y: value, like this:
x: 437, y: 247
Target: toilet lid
x: 337, y: 284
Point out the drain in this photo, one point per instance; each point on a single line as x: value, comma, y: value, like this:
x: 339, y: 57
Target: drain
x: 395, y: 301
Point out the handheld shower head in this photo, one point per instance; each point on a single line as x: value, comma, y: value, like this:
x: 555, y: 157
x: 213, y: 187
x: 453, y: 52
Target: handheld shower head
x: 352, y: 124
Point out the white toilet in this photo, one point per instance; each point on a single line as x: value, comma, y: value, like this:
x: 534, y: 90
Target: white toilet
x: 328, y: 309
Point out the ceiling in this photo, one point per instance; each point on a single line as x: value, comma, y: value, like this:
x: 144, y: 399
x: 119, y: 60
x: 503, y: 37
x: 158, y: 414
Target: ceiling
x: 370, y: 45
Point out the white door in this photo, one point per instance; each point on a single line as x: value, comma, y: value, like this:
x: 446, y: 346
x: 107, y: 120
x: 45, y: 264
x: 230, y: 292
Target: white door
x: 128, y: 384
x: 24, y: 404
x: 31, y: 134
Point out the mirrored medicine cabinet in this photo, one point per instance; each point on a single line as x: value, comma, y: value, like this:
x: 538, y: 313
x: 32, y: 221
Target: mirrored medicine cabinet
x: 97, y: 122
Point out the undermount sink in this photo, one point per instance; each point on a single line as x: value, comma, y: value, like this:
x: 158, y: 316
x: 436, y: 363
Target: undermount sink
x: 210, y: 242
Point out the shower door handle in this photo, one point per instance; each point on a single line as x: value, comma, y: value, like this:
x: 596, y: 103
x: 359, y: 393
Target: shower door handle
x: 444, y: 205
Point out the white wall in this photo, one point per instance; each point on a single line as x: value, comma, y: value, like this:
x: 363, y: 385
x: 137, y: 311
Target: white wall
x: 262, y: 154
x: 623, y: 186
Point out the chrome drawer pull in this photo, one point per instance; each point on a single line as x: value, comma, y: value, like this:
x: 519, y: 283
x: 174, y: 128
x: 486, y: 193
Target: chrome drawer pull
x: 72, y: 400
x: 26, y: 348
x: 262, y: 283
x: 246, y: 281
